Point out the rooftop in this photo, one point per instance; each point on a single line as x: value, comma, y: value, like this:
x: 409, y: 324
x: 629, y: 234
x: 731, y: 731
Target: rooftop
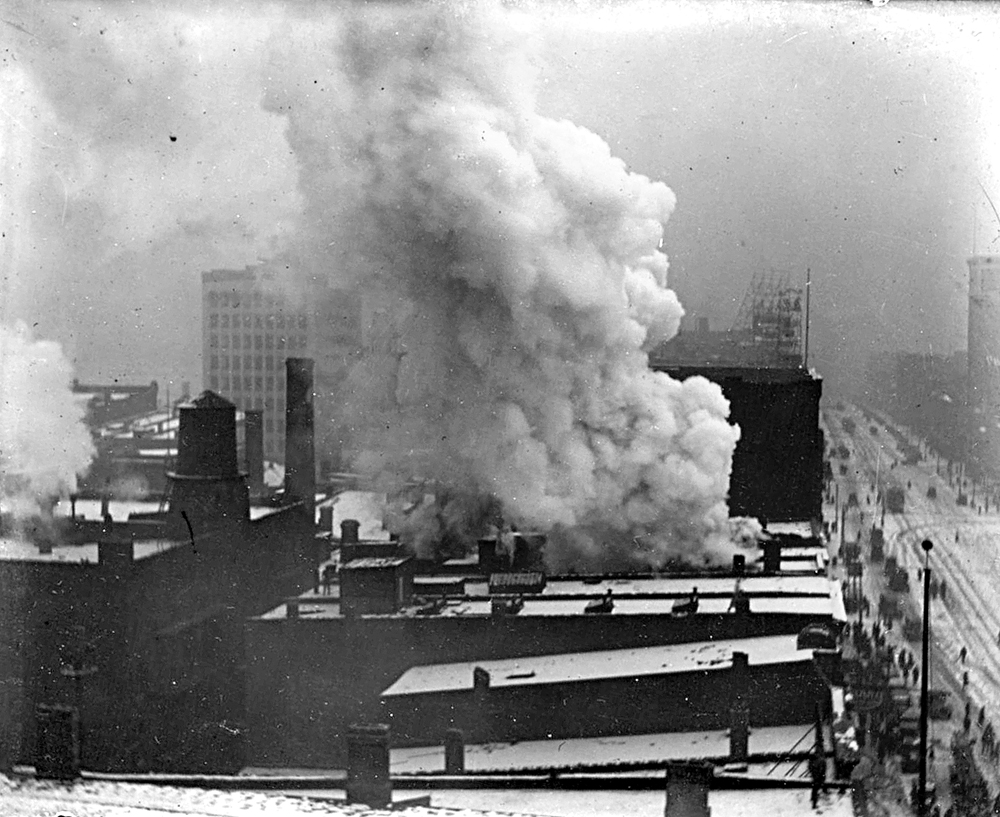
x: 20, y: 550
x: 814, y: 595
x: 604, y: 752
x: 599, y: 664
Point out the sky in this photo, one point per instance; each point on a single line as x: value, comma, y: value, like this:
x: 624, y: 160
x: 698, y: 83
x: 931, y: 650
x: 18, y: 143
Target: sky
x: 138, y: 147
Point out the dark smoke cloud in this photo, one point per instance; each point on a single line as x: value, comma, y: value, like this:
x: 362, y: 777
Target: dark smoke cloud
x: 513, y: 282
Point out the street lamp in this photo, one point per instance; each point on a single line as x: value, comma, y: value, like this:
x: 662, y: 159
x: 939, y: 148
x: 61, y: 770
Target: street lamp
x: 922, y: 780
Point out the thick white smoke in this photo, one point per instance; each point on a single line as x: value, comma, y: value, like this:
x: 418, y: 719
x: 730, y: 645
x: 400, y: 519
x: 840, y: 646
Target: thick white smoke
x: 513, y: 282
x: 44, y: 442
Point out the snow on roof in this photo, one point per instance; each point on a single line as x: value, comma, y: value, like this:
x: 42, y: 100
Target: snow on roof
x: 588, y: 666
x: 681, y: 586
x: 12, y: 549
x: 604, y: 752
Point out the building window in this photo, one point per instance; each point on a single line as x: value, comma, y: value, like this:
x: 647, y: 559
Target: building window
x: 258, y: 362
x: 258, y: 321
x: 237, y: 362
x: 214, y: 381
x: 224, y: 299
x: 258, y: 342
x: 269, y: 363
x: 269, y: 342
x: 213, y: 362
x: 247, y: 321
x: 247, y: 383
x: 213, y: 321
x: 225, y: 362
x: 213, y: 299
x: 280, y: 343
x: 225, y: 322
x: 247, y: 342
x: 258, y: 384
x: 213, y: 341
x: 269, y: 425
x: 236, y: 341
x: 225, y: 382
x: 224, y: 342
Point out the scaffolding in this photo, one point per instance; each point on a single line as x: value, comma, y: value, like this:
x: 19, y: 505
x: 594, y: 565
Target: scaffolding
x: 768, y: 326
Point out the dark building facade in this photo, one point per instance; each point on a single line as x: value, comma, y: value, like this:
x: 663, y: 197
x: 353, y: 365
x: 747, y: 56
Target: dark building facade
x: 144, y: 633
x: 778, y: 463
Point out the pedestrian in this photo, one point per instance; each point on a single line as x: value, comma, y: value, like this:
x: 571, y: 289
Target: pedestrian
x: 942, y: 589
x: 965, y: 680
x: 916, y: 675
x: 982, y: 715
x: 817, y: 775
x: 962, y: 654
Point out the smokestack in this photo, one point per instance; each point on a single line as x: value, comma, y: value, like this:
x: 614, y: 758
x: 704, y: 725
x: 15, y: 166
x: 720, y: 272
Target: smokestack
x: 687, y: 790
x: 739, y: 564
x: 253, y: 433
x: 300, y: 458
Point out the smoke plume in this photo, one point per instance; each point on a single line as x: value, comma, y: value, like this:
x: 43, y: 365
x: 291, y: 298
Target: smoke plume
x: 44, y: 442
x: 513, y: 281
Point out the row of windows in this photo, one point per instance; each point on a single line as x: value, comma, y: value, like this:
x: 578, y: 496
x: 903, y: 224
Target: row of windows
x: 258, y: 342
x: 250, y: 300
x: 279, y: 321
x: 257, y: 363
x: 250, y: 383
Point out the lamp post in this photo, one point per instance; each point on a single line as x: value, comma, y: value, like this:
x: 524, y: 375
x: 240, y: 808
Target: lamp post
x: 922, y: 779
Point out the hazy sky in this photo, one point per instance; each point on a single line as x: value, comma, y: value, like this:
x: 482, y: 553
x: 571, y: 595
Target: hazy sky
x: 136, y: 151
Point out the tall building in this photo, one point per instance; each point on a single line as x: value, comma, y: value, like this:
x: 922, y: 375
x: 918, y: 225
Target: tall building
x: 249, y: 328
x: 984, y: 358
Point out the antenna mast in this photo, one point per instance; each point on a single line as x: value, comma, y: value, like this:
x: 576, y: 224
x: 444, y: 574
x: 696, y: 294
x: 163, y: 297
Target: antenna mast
x: 805, y: 356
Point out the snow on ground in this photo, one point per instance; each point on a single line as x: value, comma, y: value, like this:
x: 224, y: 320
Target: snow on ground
x: 969, y: 613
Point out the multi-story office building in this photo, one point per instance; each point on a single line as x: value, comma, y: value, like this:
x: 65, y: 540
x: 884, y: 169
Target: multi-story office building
x: 249, y: 328
x: 984, y: 359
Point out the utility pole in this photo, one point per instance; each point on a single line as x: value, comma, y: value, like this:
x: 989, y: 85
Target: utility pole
x: 922, y: 779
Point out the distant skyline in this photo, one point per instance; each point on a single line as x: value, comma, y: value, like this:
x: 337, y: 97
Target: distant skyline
x: 854, y: 140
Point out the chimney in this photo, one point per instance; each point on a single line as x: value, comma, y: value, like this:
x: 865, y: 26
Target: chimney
x: 300, y: 458
x: 687, y: 789
x: 368, y: 780
x: 739, y: 733
x: 253, y: 433
x: 349, y: 529
x: 739, y: 564
x: 454, y: 751
x: 480, y: 679
x: 772, y: 556
x: 739, y: 674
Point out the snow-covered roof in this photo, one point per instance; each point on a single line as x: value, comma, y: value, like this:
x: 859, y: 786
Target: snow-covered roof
x: 598, y: 664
